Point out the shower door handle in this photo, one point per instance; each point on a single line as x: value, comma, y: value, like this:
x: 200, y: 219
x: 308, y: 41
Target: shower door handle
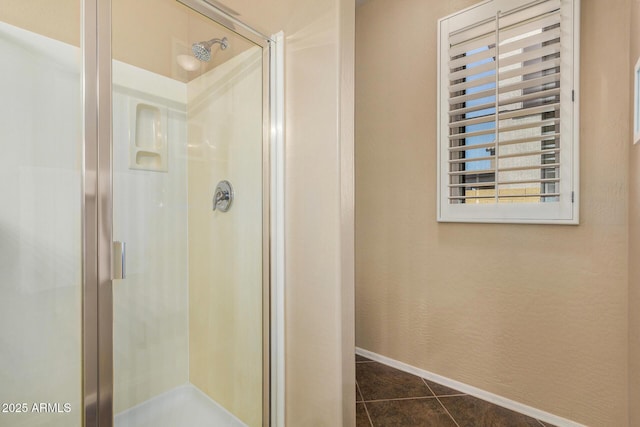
x: 119, y: 260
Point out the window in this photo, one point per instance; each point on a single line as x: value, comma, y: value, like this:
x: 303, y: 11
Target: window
x: 508, y: 113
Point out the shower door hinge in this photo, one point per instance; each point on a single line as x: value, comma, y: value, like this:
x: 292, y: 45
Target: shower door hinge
x: 573, y: 199
x: 573, y: 96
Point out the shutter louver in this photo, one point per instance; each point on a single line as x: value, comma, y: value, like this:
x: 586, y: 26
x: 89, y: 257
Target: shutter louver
x: 504, y: 108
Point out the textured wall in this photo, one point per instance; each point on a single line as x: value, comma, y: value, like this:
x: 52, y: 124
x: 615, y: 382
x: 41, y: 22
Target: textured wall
x: 537, y: 314
x: 634, y: 241
x: 225, y: 248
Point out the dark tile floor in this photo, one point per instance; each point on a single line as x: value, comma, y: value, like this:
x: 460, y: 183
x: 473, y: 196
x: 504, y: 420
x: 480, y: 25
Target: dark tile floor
x: 386, y: 396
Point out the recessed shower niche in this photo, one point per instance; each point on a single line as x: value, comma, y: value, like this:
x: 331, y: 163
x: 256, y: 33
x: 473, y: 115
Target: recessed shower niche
x: 147, y: 136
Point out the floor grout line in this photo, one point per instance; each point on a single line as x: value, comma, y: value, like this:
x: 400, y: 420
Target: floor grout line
x: 366, y: 410
x: 440, y: 402
x: 450, y: 395
x: 359, y: 393
x: 398, y: 398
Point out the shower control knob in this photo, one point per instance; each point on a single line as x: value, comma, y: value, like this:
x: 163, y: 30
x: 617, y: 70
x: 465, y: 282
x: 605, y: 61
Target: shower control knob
x: 223, y: 196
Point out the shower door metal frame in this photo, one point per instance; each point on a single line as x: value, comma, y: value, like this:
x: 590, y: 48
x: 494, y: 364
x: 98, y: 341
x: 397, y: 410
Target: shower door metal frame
x: 97, y: 304
x: 97, y: 206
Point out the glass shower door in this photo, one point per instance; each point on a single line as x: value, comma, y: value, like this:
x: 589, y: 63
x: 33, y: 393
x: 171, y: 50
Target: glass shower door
x: 40, y: 215
x: 188, y: 115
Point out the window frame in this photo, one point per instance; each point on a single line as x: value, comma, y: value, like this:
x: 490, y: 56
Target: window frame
x: 566, y: 211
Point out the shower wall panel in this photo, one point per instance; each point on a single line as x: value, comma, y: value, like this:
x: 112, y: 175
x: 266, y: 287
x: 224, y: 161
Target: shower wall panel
x: 225, y: 263
x: 150, y: 215
x: 40, y: 229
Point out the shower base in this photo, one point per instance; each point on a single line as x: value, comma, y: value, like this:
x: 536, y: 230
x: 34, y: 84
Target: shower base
x: 182, y: 406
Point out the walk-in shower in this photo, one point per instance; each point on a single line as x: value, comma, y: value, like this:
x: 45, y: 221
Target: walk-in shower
x: 132, y: 148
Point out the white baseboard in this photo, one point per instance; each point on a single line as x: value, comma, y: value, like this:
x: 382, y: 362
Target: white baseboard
x: 471, y: 390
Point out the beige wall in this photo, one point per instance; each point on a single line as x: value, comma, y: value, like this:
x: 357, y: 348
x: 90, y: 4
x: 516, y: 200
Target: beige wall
x: 319, y: 329
x: 537, y: 314
x: 59, y: 20
x: 634, y: 241
x: 152, y: 44
x: 319, y: 219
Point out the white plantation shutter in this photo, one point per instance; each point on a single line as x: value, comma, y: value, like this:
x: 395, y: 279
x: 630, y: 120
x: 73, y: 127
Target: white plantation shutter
x: 508, y: 145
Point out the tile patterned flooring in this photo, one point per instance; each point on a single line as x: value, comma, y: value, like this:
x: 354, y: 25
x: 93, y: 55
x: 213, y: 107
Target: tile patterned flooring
x: 386, y: 396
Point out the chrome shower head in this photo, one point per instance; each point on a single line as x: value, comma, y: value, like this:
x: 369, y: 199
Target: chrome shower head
x: 202, y: 50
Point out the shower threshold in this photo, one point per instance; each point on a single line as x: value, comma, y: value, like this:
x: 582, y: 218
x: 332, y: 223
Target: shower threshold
x: 182, y: 406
